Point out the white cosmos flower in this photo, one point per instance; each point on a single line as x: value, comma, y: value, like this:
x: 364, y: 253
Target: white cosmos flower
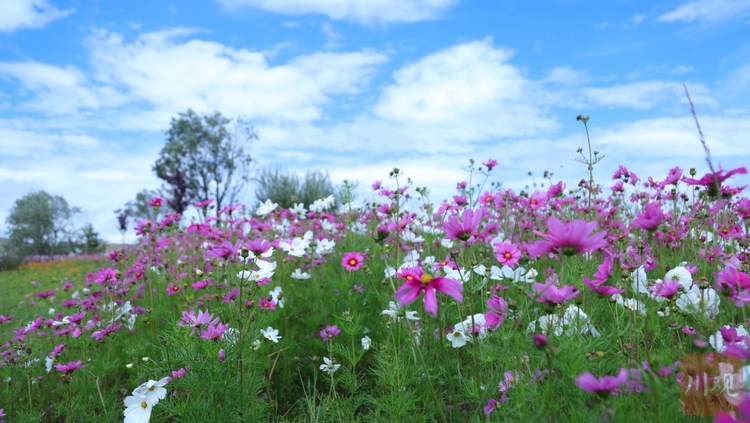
x: 299, y: 210
x: 266, y: 207
x: 277, y: 296
x: 366, y: 343
x: 329, y: 367
x: 299, y: 274
x: 457, y: 337
x: 153, y: 391
x: 447, y: 243
x: 296, y: 247
x: 696, y: 300
x: 271, y: 334
x: 574, y: 320
x: 137, y: 409
x: 411, y: 259
x: 324, y: 247
x: 265, y: 270
x: 409, y: 236
x: 396, y: 313
x: 256, y: 344
x: 640, y: 281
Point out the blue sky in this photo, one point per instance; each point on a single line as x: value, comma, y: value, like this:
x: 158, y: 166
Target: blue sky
x: 357, y: 87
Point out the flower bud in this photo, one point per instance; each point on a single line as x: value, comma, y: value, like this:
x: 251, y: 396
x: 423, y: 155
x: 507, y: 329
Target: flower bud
x: 540, y: 340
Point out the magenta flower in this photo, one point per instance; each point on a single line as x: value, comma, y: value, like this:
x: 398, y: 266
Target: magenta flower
x: 204, y: 203
x: 200, y: 285
x: 602, y: 386
x: 330, y: 332
x: 259, y: 246
x: 70, y: 367
x: 666, y: 289
x: 418, y: 281
x: 214, y: 332
x: 507, y: 253
x: 540, y: 340
x: 568, y: 238
x: 600, y: 289
x: 650, y: 218
x: 266, y: 304
x: 155, y: 202
x: 222, y: 356
x: 490, y: 163
x: 100, y: 334
x: 496, y: 316
x: 224, y: 251
x: 718, y: 177
x: 552, y: 294
x: 744, y: 417
x: 352, y: 261
x: 463, y: 229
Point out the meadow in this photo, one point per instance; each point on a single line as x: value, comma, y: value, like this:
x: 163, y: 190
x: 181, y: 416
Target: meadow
x: 598, y: 302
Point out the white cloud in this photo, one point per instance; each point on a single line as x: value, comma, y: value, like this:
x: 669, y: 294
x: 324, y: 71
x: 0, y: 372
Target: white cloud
x: 366, y: 11
x: 207, y: 76
x: 642, y: 95
x: 59, y: 90
x: 710, y: 10
x: 637, y: 19
x: 333, y: 38
x: 18, y: 14
x: 567, y: 76
x: 470, y: 86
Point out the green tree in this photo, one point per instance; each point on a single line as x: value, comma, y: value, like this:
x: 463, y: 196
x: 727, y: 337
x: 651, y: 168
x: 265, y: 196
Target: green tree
x: 210, y: 151
x: 37, y: 223
x: 286, y: 189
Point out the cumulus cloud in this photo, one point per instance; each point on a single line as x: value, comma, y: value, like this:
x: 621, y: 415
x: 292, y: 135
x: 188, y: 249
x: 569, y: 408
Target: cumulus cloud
x: 709, y: 10
x: 471, y: 86
x: 366, y: 11
x: 17, y: 14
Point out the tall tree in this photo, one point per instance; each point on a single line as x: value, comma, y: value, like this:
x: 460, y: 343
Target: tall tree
x: 38, y: 221
x: 210, y: 151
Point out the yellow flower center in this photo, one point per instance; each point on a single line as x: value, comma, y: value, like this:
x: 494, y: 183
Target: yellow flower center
x: 426, y: 279
x: 352, y: 262
x: 144, y: 404
x: 507, y: 255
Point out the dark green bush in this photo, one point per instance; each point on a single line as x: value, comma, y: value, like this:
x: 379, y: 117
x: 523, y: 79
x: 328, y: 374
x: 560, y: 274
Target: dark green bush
x: 10, y: 262
x: 286, y: 189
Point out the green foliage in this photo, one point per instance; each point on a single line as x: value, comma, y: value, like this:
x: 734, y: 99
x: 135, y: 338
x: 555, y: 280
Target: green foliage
x: 210, y: 151
x: 10, y: 262
x: 37, y: 222
x: 286, y: 189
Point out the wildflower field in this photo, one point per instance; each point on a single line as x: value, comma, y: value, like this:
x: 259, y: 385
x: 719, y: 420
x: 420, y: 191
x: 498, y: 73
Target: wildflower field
x: 551, y: 305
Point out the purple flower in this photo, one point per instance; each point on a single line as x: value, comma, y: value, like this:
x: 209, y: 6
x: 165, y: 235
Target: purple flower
x: 418, y: 281
x: 650, y: 218
x: 568, y: 238
x: 330, y: 332
x: 604, y: 385
x: 222, y: 356
x: 600, y: 289
x: 496, y: 316
x: 70, y: 367
x: 224, y: 251
x: 463, y: 229
x: 551, y: 293
x: 214, y: 333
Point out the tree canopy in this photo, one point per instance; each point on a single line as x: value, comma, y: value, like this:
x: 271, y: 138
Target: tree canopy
x: 37, y: 223
x: 209, y: 152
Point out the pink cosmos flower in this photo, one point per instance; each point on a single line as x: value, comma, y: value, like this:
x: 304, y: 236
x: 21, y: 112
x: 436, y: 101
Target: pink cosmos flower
x: 744, y: 417
x: 490, y: 163
x: 507, y: 253
x: 550, y: 293
x: 259, y: 246
x: 204, y: 203
x: 155, y: 202
x: 100, y: 334
x: 602, y: 386
x: 330, y: 332
x: 498, y: 311
x: 418, y: 281
x: 266, y: 304
x: 465, y: 228
x: 352, y: 261
x: 200, y: 285
x: 718, y: 177
x: 666, y: 289
x: 600, y: 289
x: 224, y: 251
x: 70, y: 367
x: 650, y: 218
x: 172, y: 289
x: 568, y: 238
x: 222, y: 356
x: 214, y: 332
